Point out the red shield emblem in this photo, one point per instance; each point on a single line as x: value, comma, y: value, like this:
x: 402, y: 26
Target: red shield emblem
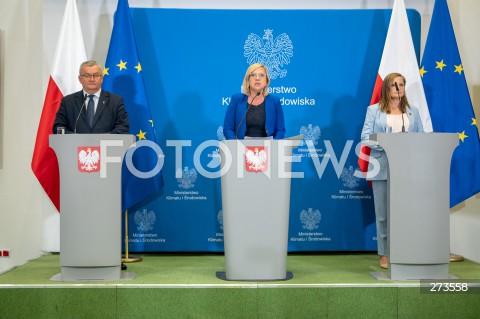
x: 256, y: 158
x: 88, y: 159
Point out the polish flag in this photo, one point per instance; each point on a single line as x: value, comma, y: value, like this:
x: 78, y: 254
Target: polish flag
x: 399, y: 56
x: 69, y: 54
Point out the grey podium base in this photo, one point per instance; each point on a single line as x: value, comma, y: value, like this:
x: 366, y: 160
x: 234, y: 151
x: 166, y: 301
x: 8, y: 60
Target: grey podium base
x: 123, y: 276
x: 398, y: 271
x: 384, y: 276
x: 222, y: 275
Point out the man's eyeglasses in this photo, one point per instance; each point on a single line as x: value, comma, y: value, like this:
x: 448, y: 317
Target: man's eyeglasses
x: 259, y: 75
x: 87, y: 76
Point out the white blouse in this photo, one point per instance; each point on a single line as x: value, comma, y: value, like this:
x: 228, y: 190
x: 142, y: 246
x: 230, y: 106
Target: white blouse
x: 395, y: 122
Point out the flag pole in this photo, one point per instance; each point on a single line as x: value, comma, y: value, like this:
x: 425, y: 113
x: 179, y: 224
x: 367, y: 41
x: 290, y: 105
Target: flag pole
x: 455, y: 258
x: 128, y: 259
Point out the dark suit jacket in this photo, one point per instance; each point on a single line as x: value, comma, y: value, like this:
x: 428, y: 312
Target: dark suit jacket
x: 110, y: 116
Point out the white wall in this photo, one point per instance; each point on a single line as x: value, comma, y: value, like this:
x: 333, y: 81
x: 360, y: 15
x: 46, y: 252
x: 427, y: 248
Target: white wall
x: 28, y: 41
x: 20, y: 103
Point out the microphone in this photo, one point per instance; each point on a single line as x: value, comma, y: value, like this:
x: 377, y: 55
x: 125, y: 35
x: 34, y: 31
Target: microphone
x: 76, y: 121
x: 398, y: 93
x: 248, y: 108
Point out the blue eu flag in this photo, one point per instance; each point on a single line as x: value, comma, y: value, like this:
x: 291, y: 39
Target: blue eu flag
x: 449, y: 103
x: 123, y: 76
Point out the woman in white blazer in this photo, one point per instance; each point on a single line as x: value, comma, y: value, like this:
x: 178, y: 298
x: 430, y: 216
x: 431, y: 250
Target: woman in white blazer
x: 392, y: 114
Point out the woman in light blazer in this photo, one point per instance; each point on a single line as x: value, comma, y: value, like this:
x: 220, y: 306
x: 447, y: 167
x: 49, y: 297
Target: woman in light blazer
x: 392, y: 114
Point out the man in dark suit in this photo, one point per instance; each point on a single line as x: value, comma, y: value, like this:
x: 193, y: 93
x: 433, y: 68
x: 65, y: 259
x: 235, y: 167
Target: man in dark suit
x: 92, y: 110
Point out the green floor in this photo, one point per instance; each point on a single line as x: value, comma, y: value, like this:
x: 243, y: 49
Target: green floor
x: 181, y: 286
x: 201, y: 269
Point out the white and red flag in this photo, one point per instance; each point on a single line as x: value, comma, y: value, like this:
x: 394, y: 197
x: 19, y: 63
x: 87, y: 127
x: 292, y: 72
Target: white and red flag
x: 399, y: 56
x: 69, y: 54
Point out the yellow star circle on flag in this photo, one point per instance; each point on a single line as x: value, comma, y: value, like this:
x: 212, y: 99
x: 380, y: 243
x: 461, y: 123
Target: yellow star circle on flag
x: 141, y: 135
x: 122, y: 65
x: 462, y: 136
x: 440, y: 65
x: 138, y: 67
x: 458, y: 69
x: 423, y: 71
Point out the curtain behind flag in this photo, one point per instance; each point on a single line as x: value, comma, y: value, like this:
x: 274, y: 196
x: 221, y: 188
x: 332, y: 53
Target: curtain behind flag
x: 69, y: 54
x: 399, y: 56
x: 449, y: 103
x: 123, y: 76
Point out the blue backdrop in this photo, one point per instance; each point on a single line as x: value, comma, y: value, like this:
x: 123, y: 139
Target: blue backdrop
x: 194, y: 60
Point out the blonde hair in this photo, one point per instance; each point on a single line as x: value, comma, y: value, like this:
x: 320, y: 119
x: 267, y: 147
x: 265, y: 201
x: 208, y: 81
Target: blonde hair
x: 385, y: 96
x: 246, y: 85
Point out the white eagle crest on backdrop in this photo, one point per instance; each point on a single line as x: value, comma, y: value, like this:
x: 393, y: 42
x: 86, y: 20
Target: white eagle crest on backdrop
x: 220, y: 219
x: 144, y: 220
x: 310, y: 218
x: 256, y: 160
x: 88, y: 159
x: 348, y: 177
x: 272, y: 53
x: 189, y: 176
x: 311, y: 133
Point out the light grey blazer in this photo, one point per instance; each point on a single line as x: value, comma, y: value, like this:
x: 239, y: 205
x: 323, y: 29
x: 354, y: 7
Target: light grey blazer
x: 376, y: 122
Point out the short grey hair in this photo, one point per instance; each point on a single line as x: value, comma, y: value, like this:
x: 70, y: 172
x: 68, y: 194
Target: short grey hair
x: 89, y: 63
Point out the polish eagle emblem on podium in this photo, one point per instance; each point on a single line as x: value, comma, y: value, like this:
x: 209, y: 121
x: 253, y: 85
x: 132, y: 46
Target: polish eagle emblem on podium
x: 256, y: 159
x: 88, y: 159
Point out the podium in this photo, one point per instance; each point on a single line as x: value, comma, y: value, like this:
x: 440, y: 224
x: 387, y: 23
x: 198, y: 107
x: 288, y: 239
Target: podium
x: 418, y: 230
x: 90, y: 204
x: 255, y: 181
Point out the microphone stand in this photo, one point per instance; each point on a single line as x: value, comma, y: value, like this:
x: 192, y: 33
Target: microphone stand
x: 79, y: 113
x: 400, y: 102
